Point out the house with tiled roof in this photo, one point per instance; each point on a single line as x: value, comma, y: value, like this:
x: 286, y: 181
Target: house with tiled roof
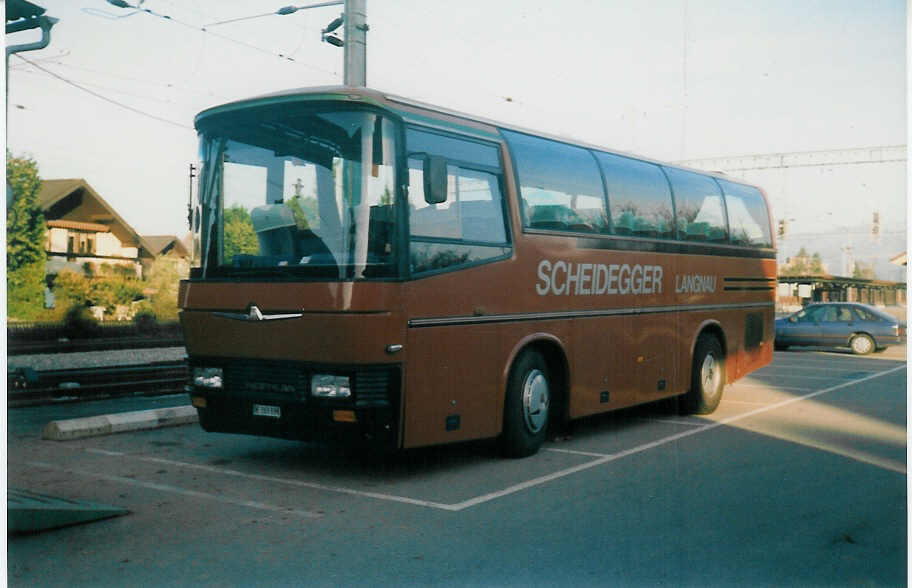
x: 166, y: 245
x: 86, y: 233
x: 169, y: 247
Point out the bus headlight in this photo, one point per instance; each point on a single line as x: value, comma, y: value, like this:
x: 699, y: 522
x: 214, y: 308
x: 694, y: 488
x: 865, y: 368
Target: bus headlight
x: 207, y: 377
x: 329, y: 386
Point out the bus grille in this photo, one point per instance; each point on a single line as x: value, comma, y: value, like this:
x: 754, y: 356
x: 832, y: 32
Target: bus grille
x: 266, y: 379
x: 372, y: 386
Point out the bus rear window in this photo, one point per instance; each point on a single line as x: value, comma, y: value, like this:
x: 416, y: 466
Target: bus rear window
x: 747, y: 215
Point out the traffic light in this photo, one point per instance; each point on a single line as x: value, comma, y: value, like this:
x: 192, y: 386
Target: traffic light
x: 781, y: 230
x: 875, y: 224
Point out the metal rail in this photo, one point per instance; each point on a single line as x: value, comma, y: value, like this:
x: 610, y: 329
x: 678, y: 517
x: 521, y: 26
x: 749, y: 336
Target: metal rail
x: 28, y: 387
x: 15, y: 347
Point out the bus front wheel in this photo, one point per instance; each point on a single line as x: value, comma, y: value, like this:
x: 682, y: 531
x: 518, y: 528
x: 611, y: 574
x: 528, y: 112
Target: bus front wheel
x: 707, y: 376
x: 527, y: 406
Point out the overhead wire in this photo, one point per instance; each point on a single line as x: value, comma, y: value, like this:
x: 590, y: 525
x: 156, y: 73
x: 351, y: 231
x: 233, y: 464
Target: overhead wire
x: 105, y: 98
x: 251, y: 46
x: 23, y: 67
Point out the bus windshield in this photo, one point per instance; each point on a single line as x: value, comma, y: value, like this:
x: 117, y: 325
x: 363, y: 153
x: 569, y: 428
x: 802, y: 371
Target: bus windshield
x: 307, y: 193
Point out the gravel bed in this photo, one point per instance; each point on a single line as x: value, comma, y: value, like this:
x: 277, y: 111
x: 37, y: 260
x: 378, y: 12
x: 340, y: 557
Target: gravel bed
x: 64, y: 361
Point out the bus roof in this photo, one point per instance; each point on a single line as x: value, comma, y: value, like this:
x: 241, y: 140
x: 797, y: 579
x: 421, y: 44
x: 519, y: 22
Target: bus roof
x: 390, y: 101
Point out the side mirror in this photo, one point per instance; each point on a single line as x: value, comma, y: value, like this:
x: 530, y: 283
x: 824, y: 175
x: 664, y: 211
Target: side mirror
x: 435, y: 179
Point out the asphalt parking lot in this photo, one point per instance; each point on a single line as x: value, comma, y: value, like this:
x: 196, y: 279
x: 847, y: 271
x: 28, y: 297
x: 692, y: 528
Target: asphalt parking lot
x: 798, y: 479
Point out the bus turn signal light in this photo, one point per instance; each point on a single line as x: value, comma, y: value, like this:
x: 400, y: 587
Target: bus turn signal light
x: 344, y: 416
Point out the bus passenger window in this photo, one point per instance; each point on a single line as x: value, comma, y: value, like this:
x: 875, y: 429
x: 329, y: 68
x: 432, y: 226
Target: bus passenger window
x: 638, y: 197
x: 747, y: 215
x: 560, y: 185
x: 699, y: 207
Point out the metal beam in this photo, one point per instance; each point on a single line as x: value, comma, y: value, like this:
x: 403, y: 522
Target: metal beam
x: 833, y: 157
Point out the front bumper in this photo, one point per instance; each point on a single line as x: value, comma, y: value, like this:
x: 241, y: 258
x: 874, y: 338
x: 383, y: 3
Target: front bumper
x: 272, y: 399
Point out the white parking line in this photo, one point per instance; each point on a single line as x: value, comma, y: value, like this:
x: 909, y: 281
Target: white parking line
x: 573, y: 452
x: 176, y: 490
x: 742, y: 384
x: 273, y: 479
x: 658, y: 443
x: 817, y: 369
x: 778, y: 375
x: 673, y: 422
x: 459, y: 506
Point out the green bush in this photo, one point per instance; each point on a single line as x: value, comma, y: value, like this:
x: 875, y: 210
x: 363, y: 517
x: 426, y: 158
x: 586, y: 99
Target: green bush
x: 25, y: 292
x: 78, y: 323
x: 25, y: 234
x: 109, y: 291
x: 146, y: 322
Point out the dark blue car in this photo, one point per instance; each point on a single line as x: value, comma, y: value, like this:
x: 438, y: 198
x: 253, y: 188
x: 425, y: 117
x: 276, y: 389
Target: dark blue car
x: 840, y: 324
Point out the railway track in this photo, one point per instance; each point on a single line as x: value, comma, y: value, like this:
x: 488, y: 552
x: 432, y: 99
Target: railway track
x: 28, y: 387
x: 18, y: 347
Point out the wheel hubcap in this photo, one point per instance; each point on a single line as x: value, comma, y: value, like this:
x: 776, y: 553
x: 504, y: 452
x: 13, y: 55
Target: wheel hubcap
x: 536, y: 398
x: 710, y: 374
x: 861, y: 344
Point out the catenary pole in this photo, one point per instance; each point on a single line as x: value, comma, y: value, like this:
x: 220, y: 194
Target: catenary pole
x: 356, y: 42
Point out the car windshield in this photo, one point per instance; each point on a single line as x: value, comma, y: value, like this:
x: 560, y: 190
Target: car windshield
x: 298, y: 192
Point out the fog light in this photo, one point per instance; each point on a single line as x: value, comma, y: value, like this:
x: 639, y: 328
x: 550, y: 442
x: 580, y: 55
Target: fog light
x: 207, y: 377
x: 327, y: 386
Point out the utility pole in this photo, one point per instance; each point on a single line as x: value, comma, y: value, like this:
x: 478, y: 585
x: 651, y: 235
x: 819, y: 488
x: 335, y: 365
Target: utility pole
x: 24, y: 16
x: 354, y: 18
x: 191, y: 216
x: 190, y: 198
x: 356, y: 42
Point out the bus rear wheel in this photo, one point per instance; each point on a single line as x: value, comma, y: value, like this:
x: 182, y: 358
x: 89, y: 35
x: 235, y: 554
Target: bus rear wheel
x: 707, y: 377
x: 527, y: 405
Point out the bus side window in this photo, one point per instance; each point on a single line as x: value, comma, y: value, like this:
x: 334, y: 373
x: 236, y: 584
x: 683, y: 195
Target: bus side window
x: 560, y: 185
x: 747, y: 215
x: 638, y: 196
x: 699, y: 207
x: 467, y: 228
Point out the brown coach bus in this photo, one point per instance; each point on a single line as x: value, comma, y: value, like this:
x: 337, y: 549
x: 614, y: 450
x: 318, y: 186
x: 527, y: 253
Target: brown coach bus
x: 378, y: 270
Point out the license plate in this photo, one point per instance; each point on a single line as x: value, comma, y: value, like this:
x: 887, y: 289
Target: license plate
x: 266, y: 410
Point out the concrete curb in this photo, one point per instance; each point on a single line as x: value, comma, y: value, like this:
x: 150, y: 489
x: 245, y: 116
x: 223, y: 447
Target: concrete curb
x: 108, y: 424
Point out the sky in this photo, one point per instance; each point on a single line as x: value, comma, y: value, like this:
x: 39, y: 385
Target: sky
x: 667, y: 79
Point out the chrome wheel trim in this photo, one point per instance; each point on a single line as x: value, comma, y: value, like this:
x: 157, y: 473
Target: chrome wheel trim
x: 862, y: 344
x: 535, y: 400
x: 710, y: 375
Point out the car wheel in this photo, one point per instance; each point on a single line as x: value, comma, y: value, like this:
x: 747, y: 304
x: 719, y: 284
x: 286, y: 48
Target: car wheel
x: 527, y: 406
x: 707, y: 376
x: 862, y: 344
x: 780, y: 346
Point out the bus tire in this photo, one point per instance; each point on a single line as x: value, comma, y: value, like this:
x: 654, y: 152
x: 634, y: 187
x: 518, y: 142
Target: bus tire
x: 527, y: 405
x: 707, y: 376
